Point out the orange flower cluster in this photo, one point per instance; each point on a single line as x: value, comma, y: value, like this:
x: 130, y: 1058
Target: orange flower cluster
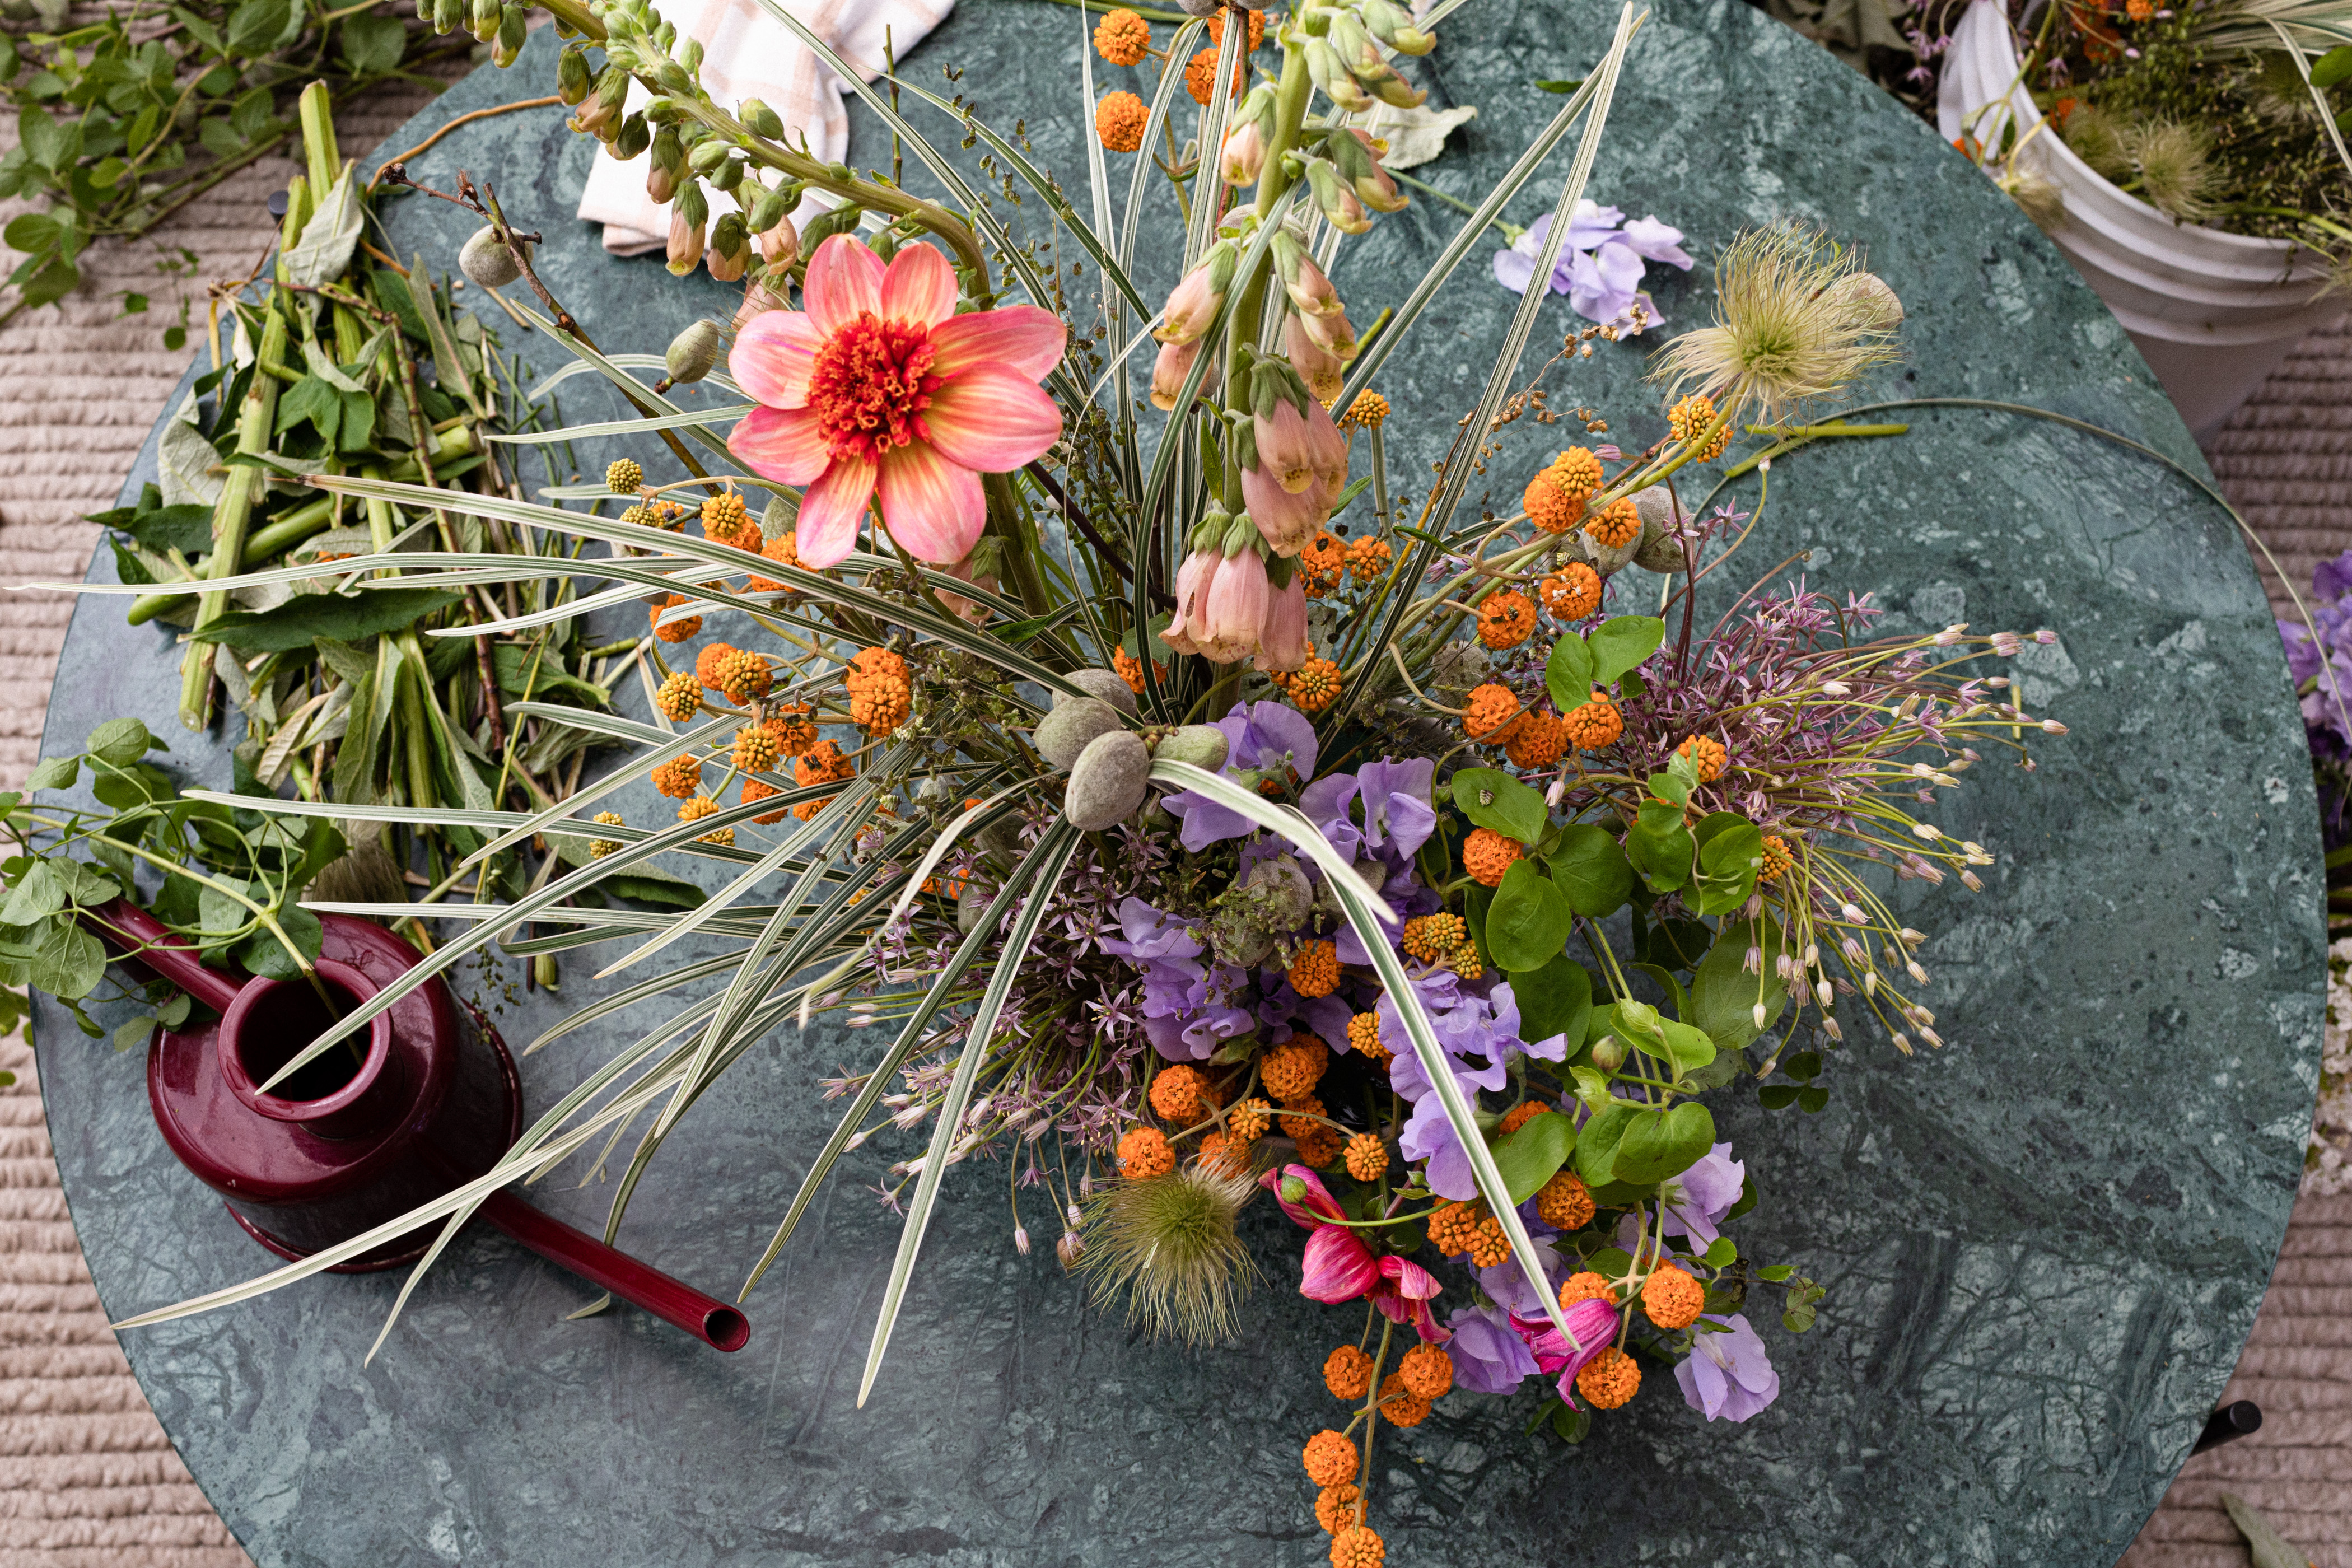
x: 742, y: 677
x: 1247, y: 1120
x: 1554, y: 500
x: 1565, y: 1203
x: 1300, y: 1114
x: 1144, y: 1153
x: 1430, y: 938
x: 1690, y: 420
x: 879, y: 690
x: 1120, y: 121
x: 1358, y: 1547
x: 1609, y: 1379
x: 1330, y: 1457
x: 727, y: 521
x: 755, y: 751
x: 1366, y: 1156
x: 1596, y: 724
x: 795, y: 730
x: 679, y: 777
x: 1616, y: 525
x: 1315, y: 971
x: 1494, y: 711
x: 1777, y: 858
x: 1294, y: 1068
x: 1572, y: 593
x: 755, y: 789
x: 1202, y: 72
x: 1457, y: 1228
x: 1256, y: 27
x: 1129, y: 669
x: 1537, y: 740
x: 1178, y: 1094
x: 821, y: 763
x: 1519, y: 1115
x: 672, y: 631
x: 1707, y: 755
x: 1313, y: 686
x: 1336, y: 1507
x: 1323, y: 561
x: 1399, y: 1405
x: 1364, y: 1036
x: 784, y: 550
x: 1347, y: 1373
x: 1369, y: 411
x: 1122, y: 38
x: 1367, y: 559
x: 698, y: 808
x: 1506, y: 619
x: 1427, y: 1371
x: 1486, y: 855
x: 679, y: 698
x: 1223, y: 1156
x: 1672, y: 1299
x: 1586, y: 1286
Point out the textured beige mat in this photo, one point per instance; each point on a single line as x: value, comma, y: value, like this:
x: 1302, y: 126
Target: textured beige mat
x: 87, y: 1479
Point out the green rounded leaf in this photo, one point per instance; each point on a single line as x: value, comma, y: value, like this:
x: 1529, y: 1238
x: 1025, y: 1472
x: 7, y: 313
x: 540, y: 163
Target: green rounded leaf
x: 1567, y: 674
x: 1529, y: 923
x: 1591, y: 870
x: 1554, y: 1000
x: 1597, y: 1145
x: 1492, y: 798
x: 1533, y: 1154
x: 1624, y: 642
x: 120, y: 741
x: 1659, y: 1144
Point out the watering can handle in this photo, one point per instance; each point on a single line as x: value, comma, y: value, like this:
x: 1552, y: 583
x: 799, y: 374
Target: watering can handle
x: 148, y: 941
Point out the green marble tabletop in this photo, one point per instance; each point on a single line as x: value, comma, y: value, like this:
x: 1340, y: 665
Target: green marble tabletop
x: 2044, y: 1244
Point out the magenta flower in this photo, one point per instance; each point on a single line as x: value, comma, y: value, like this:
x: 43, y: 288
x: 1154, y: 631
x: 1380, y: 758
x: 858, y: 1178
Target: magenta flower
x: 1338, y: 1267
x: 1592, y: 1323
x: 880, y: 385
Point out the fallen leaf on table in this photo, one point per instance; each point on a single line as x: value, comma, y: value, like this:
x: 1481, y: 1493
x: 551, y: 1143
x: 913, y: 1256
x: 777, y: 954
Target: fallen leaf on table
x: 2268, y: 1548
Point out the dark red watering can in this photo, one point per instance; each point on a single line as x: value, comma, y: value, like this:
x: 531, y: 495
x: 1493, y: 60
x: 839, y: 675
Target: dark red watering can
x: 421, y: 1103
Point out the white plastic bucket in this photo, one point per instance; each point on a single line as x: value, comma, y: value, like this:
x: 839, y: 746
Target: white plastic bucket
x: 2212, y: 313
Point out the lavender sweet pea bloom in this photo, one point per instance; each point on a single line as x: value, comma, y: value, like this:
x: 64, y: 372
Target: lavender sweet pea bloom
x: 1398, y: 818
x: 1728, y: 1376
x: 1698, y: 1200
x: 1189, y: 1008
x: 1487, y: 1352
x: 1601, y: 265
x: 1265, y: 737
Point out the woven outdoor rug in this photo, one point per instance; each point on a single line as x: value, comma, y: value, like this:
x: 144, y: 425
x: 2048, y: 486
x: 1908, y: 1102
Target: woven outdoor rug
x: 87, y: 1479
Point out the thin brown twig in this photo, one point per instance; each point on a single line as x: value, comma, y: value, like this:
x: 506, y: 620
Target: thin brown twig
x: 426, y: 145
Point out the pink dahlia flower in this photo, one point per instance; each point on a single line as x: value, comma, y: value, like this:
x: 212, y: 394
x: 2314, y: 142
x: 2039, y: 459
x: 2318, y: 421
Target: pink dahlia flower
x: 878, y: 383
x: 1594, y: 1325
x: 1338, y: 1266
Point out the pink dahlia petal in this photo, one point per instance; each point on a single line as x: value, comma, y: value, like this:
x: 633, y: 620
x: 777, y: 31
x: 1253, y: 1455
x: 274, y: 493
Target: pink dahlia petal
x: 1338, y: 1267
x: 930, y: 505
x: 1316, y: 1205
x: 780, y: 444
x: 1412, y: 1281
x: 992, y: 419
x: 1020, y: 337
x: 831, y: 510
x: 920, y: 287
x: 773, y: 357
x: 845, y: 279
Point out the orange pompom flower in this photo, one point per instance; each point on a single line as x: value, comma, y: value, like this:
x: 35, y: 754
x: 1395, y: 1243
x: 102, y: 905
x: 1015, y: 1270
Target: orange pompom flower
x: 1586, y: 1286
x: 1506, y: 619
x: 755, y: 751
x: 698, y: 808
x: 1122, y: 38
x: 1144, y: 1153
x: 1314, y: 684
x: 706, y: 662
x: 1671, y: 1298
x: 1615, y: 525
x: 880, y: 693
x: 1256, y: 27
x: 1366, y: 1156
x: 1368, y: 559
x: 1247, y: 1120
x: 1519, y: 1115
x: 1707, y: 755
x: 727, y: 521
x: 1364, y: 1038
x: 1399, y: 1405
x: 1203, y: 70
x: 1537, y: 740
x: 1431, y: 937
x: 754, y: 789
x: 1777, y: 858
x: 1596, y: 724
x: 1302, y: 1116
x: 1315, y: 971
x: 1573, y: 591
x: 1554, y: 500
x: 672, y: 631
x: 1336, y: 1508
x: 795, y: 730
x: 1176, y: 1094
x: 1609, y: 1379
x: 744, y: 677
x: 679, y: 777
x: 1223, y: 1156
x: 1690, y: 420
x: 1323, y: 561
x: 1358, y: 1547
x: 1486, y: 855
x: 679, y: 698
x: 1330, y: 1459
x: 1494, y: 710
x: 1565, y: 1203
x: 1347, y: 1373
x: 1427, y: 1371
x: 1320, y: 1145
x: 1120, y: 122
x: 1294, y: 1068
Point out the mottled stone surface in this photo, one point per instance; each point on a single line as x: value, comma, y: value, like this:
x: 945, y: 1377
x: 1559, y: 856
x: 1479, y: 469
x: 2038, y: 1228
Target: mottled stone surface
x: 2043, y: 1244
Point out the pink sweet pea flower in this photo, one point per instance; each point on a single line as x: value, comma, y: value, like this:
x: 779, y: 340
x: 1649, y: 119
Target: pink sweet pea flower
x: 1594, y: 1324
x: 1338, y: 1267
x: 880, y: 385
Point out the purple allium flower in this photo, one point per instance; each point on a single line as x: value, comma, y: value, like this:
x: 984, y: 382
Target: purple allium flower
x: 1728, y: 1376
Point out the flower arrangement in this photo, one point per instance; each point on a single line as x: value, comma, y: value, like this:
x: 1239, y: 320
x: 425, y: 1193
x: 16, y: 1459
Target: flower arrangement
x: 1197, y: 815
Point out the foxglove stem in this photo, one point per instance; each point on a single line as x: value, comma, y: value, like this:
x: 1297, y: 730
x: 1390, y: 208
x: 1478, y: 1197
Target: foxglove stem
x: 1290, y: 100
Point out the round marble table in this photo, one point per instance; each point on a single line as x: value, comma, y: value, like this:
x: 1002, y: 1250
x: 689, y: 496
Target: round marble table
x: 2044, y: 1244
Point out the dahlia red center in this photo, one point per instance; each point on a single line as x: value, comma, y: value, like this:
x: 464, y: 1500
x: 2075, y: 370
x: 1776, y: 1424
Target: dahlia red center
x: 870, y: 384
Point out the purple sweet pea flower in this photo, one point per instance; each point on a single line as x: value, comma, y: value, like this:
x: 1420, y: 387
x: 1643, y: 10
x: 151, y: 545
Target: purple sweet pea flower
x: 1487, y: 1352
x: 1601, y: 265
x: 1728, y: 1376
x: 1428, y: 1135
x: 1657, y: 241
x: 1397, y: 810
x: 1265, y: 737
x: 1506, y: 1283
x: 1698, y: 1200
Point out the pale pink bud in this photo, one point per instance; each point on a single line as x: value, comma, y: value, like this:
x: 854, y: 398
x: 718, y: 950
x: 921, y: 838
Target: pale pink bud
x: 1281, y: 640
x: 1318, y: 367
x: 1193, y: 581
x: 1378, y: 191
x: 1282, y: 446
x: 1021, y: 1240
x: 781, y: 246
x: 1334, y: 334
x: 1308, y: 289
x: 1242, y: 159
x: 1194, y: 303
x: 684, y: 242
x: 1234, y: 609
x: 1170, y: 369
x: 1327, y: 449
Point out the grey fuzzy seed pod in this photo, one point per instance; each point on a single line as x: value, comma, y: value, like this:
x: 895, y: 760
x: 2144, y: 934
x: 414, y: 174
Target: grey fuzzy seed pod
x: 1659, y: 546
x: 1069, y: 729
x: 1606, y: 559
x: 693, y: 351
x: 1102, y: 683
x: 1107, y: 781
x: 1203, y: 745
x: 488, y: 261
